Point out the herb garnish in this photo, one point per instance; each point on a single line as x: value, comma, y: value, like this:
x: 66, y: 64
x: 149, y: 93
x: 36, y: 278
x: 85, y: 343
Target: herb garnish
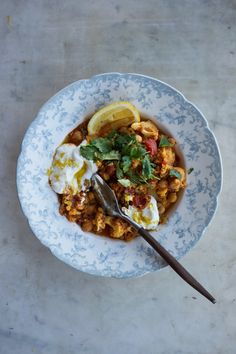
x: 102, y: 144
x: 164, y: 142
x: 119, y: 171
x: 190, y: 170
x: 175, y: 173
x: 125, y: 163
x: 125, y: 182
x: 124, y: 148
x: 147, y: 168
x: 89, y: 152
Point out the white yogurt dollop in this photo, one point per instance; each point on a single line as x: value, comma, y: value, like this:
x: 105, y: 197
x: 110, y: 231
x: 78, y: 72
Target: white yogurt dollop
x: 70, y: 169
x: 148, y: 217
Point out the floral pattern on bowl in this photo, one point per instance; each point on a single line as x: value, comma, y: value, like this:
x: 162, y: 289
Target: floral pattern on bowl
x: 100, y: 255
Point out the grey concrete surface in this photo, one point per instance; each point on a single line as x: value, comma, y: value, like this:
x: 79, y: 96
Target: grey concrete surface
x: 48, y: 307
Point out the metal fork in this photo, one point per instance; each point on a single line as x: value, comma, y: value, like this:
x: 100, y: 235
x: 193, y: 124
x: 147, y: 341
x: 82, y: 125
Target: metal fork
x: 109, y: 202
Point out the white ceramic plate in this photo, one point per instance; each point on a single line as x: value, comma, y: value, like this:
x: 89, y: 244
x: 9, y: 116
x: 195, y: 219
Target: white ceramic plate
x: 63, y: 112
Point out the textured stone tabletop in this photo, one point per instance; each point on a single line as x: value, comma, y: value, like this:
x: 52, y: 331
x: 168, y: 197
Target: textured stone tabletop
x: 48, y: 307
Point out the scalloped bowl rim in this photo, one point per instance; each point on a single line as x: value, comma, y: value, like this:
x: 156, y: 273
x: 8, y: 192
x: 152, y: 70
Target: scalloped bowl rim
x: 34, y: 122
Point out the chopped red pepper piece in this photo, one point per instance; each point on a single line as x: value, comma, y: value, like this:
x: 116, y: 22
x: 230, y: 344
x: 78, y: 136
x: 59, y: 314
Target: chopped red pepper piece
x: 140, y: 201
x: 151, y: 146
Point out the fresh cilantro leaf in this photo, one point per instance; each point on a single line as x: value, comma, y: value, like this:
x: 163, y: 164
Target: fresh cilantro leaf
x: 164, y: 142
x: 124, y: 140
x: 136, y: 178
x: 119, y: 172
x: 125, y: 163
x: 112, y: 155
x: 124, y: 182
x: 112, y: 134
x: 102, y: 144
x: 175, y: 173
x: 101, y: 149
x: 89, y: 152
x: 147, y: 167
x: 137, y: 151
x: 190, y: 170
x: 125, y: 150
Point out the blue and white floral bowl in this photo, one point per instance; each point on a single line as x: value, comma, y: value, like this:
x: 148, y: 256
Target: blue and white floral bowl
x: 99, y: 255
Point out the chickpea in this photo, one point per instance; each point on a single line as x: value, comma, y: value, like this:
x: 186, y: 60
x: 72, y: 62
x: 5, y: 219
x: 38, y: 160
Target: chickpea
x: 175, y: 185
x: 172, y: 197
x: 142, y: 189
x: 87, y: 226
x: 162, y: 192
x: 165, y: 203
x: 161, y: 208
x: 172, y: 141
x: 162, y: 184
x: 138, y: 138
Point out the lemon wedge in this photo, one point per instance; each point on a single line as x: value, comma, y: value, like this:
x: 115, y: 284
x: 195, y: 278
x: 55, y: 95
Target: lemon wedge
x: 114, y: 116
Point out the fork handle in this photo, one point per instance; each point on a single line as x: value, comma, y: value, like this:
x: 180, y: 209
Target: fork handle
x: 173, y: 263
x: 178, y: 268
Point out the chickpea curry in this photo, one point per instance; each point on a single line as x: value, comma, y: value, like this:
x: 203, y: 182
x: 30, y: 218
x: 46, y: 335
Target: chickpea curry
x: 136, y: 159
